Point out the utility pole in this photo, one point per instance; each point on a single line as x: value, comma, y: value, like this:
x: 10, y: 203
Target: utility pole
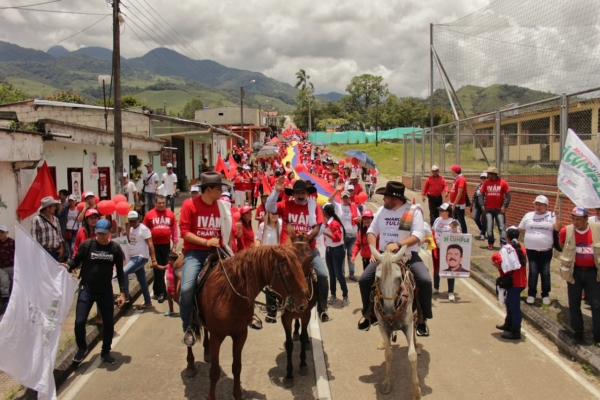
x: 118, y: 129
x: 242, y: 109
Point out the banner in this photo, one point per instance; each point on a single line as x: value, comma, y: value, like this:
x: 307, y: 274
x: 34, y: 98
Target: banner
x: 40, y: 301
x: 42, y: 186
x: 455, y: 255
x: 579, y: 173
x: 94, y: 166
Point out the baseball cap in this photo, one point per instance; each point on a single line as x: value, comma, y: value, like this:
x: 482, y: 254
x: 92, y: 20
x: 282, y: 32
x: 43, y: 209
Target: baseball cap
x: 345, y: 193
x: 72, y: 197
x: 133, y: 215
x: 444, y: 207
x: 245, y: 209
x: 350, y: 187
x: 169, y: 165
x: 125, y: 175
x: 103, y: 226
x: 483, y: 175
x: 434, y: 168
x: 195, y: 189
x: 541, y: 199
x: 91, y: 211
x: 579, y: 212
x: 148, y: 164
x: 3, y: 228
x: 247, y: 167
x: 88, y: 194
x: 456, y: 168
x: 367, y: 213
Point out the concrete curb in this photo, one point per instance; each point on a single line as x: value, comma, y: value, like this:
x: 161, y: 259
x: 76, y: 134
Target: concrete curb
x: 585, y: 354
x: 64, y: 365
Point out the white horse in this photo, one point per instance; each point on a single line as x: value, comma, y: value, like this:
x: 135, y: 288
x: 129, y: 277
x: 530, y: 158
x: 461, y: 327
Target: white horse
x: 394, y: 294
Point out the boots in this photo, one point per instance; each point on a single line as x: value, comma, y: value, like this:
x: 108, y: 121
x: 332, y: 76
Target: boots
x: 507, y: 326
x: 513, y: 334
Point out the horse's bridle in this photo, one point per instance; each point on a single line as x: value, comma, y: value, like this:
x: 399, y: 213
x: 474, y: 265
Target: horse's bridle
x: 401, y: 297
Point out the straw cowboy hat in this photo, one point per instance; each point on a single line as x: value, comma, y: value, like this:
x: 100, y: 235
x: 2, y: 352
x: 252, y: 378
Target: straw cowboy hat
x: 48, y: 201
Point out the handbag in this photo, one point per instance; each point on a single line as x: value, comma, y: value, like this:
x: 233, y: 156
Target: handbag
x: 68, y: 235
x: 504, y: 282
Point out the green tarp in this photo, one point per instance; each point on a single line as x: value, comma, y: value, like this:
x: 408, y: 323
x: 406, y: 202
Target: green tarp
x: 351, y: 137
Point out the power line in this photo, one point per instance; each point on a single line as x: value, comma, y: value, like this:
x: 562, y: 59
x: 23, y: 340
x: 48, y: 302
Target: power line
x: 60, y: 11
x: 30, y: 5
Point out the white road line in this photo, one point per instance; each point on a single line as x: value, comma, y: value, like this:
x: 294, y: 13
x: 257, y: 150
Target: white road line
x: 530, y: 338
x: 89, y: 372
x: 322, y: 387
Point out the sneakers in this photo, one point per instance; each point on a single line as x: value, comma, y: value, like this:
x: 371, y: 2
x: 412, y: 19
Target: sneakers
x: 345, y: 302
x: 530, y: 300
x: 78, y: 357
x: 332, y: 300
x: 481, y: 237
x: 366, y: 323
x: 451, y: 297
x: 423, y: 329
x: 546, y: 301
x: 107, y: 358
x: 436, y: 291
x: 325, y: 317
x: 490, y: 247
x: 162, y: 298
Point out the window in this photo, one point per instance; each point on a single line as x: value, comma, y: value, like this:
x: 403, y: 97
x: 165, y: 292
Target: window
x: 220, y: 114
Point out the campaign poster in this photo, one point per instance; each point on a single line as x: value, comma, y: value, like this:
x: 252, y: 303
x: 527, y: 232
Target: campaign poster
x: 455, y: 255
x: 77, y: 184
x: 94, y: 166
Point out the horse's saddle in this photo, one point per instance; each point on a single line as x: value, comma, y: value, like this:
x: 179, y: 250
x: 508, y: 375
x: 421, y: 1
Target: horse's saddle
x: 209, y: 265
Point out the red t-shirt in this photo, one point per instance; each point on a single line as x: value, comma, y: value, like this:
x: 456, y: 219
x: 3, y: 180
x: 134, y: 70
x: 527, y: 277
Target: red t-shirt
x: 297, y: 216
x: 201, y: 219
x: 494, y: 192
x: 519, y: 275
x: 584, y: 256
x: 80, y: 238
x: 260, y: 212
x: 460, y: 182
x: 246, y: 239
x: 161, y: 225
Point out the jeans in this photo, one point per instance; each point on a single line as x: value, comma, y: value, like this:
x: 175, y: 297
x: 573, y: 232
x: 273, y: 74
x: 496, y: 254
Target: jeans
x: 490, y: 216
x: 321, y: 272
x: 53, y: 254
x: 149, y: 201
x: 480, y: 220
x: 136, y: 265
x: 585, y: 279
x: 106, y: 304
x: 419, y: 270
x: 161, y: 251
x: 171, y: 200
x: 539, y: 264
x: 334, y: 256
x: 513, y: 307
x: 459, y: 215
x: 435, y: 256
x: 349, y: 244
x: 6, y: 280
x: 193, y: 261
x: 434, y: 202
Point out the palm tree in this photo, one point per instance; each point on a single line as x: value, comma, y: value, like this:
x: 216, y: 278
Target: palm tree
x: 307, y: 87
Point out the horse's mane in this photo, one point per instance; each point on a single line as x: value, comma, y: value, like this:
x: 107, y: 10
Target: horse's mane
x: 386, y: 266
x: 251, y: 269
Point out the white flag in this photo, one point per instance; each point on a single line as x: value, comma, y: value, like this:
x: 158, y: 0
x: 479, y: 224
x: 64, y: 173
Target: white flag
x: 579, y: 173
x: 40, y: 301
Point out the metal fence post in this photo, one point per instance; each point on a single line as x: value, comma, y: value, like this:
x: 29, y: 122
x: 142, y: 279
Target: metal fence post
x: 564, y: 127
x: 458, y: 142
x: 423, y: 152
x: 497, y: 129
x: 404, y: 155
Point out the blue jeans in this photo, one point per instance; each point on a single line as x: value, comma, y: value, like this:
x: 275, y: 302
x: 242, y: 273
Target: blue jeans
x: 171, y: 201
x: 349, y: 244
x: 106, y: 304
x: 321, y: 271
x: 149, y: 201
x: 193, y: 261
x: 136, y: 265
x: 539, y: 264
x: 490, y: 216
x: 585, y: 279
x: 513, y: 307
x: 334, y: 256
x: 480, y: 220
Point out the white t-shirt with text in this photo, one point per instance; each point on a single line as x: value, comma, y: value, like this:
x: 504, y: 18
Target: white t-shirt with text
x: 386, y: 222
x: 539, y: 230
x: 138, y: 247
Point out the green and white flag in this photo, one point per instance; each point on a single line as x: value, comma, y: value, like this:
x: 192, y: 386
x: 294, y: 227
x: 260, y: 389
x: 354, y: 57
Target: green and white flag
x: 579, y: 173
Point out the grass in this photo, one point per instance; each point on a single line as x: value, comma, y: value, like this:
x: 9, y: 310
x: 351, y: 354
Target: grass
x: 383, y: 155
x: 35, y: 89
x: 11, y: 395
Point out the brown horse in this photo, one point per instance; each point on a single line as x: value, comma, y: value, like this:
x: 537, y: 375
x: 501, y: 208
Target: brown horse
x: 227, y: 300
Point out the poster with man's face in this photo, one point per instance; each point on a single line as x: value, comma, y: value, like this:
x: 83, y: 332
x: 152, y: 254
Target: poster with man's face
x: 455, y: 255
x: 76, y: 183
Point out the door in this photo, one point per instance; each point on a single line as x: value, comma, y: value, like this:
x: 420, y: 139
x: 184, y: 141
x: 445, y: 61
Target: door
x: 179, y: 156
x: 104, y: 191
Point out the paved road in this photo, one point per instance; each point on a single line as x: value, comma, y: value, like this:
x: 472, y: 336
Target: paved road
x: 463, y: 359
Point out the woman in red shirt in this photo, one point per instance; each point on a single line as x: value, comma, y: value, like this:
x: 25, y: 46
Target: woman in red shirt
x: 361, y: 245
x: 245, y: 233
x: 335, y: 255
x: 512, y: 322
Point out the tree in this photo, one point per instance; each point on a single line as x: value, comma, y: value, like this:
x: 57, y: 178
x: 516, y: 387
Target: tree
x: 322, y: 124
x: 127, y: 101
x: 307, y: 90
x: 189, y: 111
x: 10, y: 94
x: 365, y: 92
x: 67, y: 97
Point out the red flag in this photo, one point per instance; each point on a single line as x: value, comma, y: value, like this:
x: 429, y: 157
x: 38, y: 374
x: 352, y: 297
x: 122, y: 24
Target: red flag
x: 233, y: 166
x: 42, y: 186
x: 221, y: 167
x: 266, y: 187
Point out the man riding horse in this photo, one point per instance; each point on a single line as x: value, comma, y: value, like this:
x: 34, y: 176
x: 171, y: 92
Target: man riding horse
x: 397, y: 223
x: 205, y: 224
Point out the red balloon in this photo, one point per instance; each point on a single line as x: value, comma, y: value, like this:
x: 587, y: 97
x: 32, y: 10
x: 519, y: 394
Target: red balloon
x: 236, y: 216
x: 119, y: 199
x: 97, y: 199
x: 347, y: 159
x: 341, y: 163
x: 300, y: 168
x: 107, y: 207
x: 80, y: 206
x: 354, y: 161
x: 362, y: 197
x: 122, y: 209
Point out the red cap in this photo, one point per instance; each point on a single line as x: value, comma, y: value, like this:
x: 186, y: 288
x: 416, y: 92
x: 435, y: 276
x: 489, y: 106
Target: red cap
x: 245, y: 209
x: 91, y: 211
x: 367, y: 213
x: 456, y: 168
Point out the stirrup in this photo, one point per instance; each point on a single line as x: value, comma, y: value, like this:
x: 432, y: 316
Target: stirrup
x: 193, y: 333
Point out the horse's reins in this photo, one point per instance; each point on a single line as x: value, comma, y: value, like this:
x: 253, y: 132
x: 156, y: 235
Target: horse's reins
x: 404, y: 291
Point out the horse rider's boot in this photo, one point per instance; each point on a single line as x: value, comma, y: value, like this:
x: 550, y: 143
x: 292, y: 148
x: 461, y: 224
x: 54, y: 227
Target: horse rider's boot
x: 513, y: 334
x: 323, y: 290
x: 507, y: 326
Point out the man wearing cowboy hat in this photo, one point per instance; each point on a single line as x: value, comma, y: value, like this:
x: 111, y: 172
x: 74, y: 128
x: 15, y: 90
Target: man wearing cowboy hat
x: 205, y: 223
x: 45, y: 228
x: 496, y: 198
x: 397, y: 224
x: 304, y: 214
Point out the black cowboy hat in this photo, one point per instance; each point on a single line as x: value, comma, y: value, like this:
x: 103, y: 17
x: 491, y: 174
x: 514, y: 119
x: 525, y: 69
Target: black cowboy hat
x: 393, y: 189
x: 212, y: 178
x: 300, y: 185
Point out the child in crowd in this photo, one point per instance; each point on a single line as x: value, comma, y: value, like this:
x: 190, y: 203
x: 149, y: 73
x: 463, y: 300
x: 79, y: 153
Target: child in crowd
x: 361, y: 245
x: 170, y: 281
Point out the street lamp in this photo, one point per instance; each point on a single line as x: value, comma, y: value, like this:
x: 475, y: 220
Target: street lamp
x: 242, y: 105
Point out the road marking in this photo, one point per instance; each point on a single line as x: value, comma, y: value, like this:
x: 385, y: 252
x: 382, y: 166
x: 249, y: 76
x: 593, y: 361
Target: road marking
x: 81, y: 381
x: 530, y: 338
x: 322, y: 378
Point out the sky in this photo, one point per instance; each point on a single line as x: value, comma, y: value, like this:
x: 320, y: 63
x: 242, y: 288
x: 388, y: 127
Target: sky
x: 333, y: 40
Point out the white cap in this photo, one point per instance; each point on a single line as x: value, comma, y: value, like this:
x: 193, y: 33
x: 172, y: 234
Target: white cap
x: 3, y: 228
x: 541, y: 199
x: 169, y: 165
x: 483, y: 175
x: 124, y: 174
x: 434, y: 168
x: 350, y: 187
x: 195, y: 188
x: 133, y: 215
x: 247, y: 167
x: 225, y: 193
x: 72, y: 197
x: 88, y: 194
